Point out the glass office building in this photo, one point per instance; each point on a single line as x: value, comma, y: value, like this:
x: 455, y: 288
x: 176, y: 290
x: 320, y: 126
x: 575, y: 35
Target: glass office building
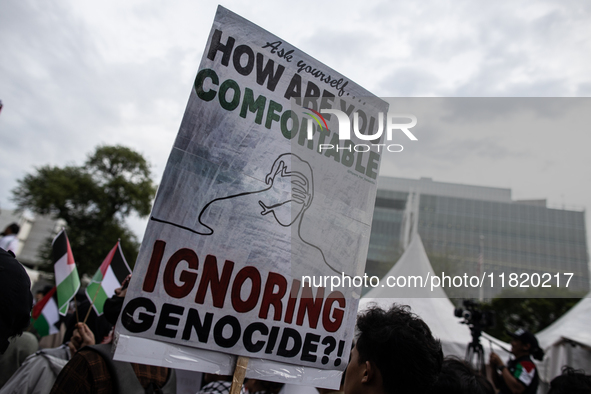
x: 460, y: 224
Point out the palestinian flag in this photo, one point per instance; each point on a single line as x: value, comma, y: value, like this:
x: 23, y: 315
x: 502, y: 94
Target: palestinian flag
x: 66, y: 274
x: 525, y: 371
x: 45, y: 315
x: 109, y: 277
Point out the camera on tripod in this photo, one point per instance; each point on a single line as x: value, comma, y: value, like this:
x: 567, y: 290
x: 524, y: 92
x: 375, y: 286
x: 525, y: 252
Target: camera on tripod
x: 477, y: 320
x: 474, y: 315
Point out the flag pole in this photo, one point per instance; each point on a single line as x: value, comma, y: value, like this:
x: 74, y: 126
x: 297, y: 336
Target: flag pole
x: 75, y: 300
x: 92, y: 303
x: 76, y: 306
x: 239, y: 373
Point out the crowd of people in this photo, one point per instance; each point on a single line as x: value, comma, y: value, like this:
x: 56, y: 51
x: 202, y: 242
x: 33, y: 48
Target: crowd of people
x: 394, y: 352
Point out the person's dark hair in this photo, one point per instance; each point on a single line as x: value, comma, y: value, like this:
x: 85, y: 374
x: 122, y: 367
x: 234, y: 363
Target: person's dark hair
x: 401, y: 346
x: 271, y: 387
x: 457, y: 377
x: 13, y: 324
x: 44, y: 290
x: 527, y: 338
x: 14, y: 228
x: 538, y: 354
x: 571, y: 381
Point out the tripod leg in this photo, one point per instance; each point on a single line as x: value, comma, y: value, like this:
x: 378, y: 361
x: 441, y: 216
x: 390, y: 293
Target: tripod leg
x: 471, y: 351
x: 481, y: 364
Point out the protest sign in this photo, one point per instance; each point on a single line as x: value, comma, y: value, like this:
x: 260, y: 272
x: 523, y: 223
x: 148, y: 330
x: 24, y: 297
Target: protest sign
x: 249, y: 206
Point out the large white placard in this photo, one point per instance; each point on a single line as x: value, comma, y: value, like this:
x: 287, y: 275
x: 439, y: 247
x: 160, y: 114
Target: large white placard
x: 249, y: 205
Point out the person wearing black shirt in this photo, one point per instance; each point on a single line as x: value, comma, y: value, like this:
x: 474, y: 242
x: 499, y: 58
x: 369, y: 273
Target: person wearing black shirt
x: 520, y: 375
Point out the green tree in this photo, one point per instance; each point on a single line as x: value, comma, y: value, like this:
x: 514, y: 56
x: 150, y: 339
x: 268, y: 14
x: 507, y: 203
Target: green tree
x: 94, y: 199
x: 534, y: 310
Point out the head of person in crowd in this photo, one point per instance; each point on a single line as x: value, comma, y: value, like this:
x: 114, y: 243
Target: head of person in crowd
x: 571, y: 382
x: 9, y: 239
x: 11, y: 229
x: 262, y: 386
x: 212, y: 377
x: 524, y: 343
x: 16, y: 300
x: 216, y: 384
x: 41, y: 293
x: 457, y: 377
x: 395, y: 352
x: 113, y: 305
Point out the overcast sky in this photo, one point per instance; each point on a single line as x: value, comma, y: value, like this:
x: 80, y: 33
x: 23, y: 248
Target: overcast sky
x: 76, y: 74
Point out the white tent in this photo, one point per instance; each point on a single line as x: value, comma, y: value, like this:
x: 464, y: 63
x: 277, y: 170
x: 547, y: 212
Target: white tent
x: 567, y: 341
x: 432, y: 306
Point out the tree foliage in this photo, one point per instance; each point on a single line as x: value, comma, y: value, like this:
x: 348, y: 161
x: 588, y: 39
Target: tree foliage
x: 534, y: 310
x: 94, y: 199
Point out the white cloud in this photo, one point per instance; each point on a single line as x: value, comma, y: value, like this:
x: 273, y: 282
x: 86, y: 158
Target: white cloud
x: 77, y: 74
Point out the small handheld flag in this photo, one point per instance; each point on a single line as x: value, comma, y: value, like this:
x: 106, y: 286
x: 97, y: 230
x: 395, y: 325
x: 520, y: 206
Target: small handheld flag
x: 66, y: 273
x: 45, y: 315
x: 109, y: 277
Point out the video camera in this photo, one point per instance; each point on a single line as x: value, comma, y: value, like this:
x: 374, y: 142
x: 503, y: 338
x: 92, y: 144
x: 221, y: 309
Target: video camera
x: 474, y: 315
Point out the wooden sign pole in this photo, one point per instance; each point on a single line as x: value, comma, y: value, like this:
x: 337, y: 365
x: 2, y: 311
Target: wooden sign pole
x: 239, y: 373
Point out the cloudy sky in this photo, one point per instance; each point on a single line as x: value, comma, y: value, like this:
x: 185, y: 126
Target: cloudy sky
x: 76, y: 74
